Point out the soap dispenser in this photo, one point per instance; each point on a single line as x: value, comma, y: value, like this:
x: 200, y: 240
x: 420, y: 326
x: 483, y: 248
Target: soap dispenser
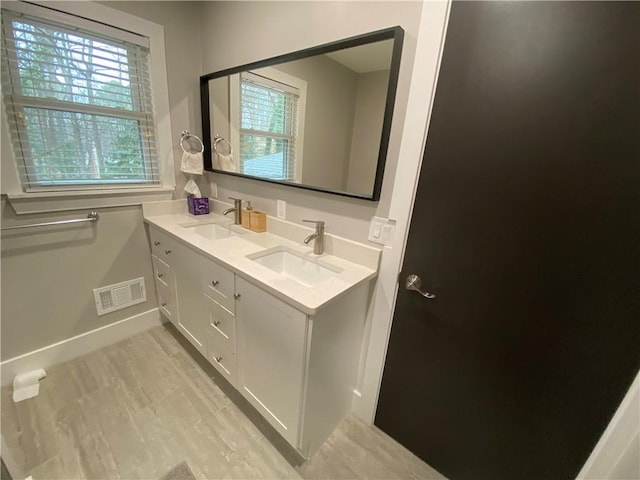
x: 246, y: 216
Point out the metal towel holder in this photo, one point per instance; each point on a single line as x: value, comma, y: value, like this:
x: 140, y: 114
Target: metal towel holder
x: 187, y: 135
x: 216, y: 140
x: 92, y: 216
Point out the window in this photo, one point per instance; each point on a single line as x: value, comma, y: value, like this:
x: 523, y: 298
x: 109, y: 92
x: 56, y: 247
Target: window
x: 79, y: 105
x: 269, y: 127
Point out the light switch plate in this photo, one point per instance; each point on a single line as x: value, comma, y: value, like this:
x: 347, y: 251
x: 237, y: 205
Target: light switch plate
x: 281, y: 209
x: 213, y: 189
x: 381, y: 230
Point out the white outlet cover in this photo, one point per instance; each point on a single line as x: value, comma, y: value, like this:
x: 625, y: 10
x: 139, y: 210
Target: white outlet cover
x: 281, y: 209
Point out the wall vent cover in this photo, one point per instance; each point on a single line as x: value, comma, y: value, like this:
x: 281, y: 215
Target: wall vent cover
x: 119, y: 295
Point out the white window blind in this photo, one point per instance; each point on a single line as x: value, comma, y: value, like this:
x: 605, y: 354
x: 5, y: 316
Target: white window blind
x: 79, y: 106
x: 268, y: 127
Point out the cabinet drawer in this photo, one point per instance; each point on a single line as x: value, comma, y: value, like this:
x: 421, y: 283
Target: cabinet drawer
x: 218, y: 283
x: 162, y: 245
x: 162, y: 272
x: 221, y: 322
x: 220, y: 356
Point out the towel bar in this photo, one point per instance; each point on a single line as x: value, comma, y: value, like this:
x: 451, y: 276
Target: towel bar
x: 93, y: 216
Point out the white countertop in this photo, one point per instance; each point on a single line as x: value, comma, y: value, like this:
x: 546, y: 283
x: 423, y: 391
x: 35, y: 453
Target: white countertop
x: 232, y: 252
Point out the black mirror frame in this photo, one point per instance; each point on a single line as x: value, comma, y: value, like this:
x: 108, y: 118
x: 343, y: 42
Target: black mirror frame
x: 394, y: 33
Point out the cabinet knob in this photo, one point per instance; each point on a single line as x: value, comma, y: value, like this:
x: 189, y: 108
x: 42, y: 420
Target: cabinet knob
x: 215, y: 283
x: 156, y: 243
x: 167, y: 252
x: 160, y: 275
x: 164, y: 304
x: 218, y: 359
x: 216, y: 323
x: 236, y: 296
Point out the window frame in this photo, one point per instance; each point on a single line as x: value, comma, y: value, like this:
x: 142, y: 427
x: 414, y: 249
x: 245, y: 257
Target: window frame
x: 92, y: 16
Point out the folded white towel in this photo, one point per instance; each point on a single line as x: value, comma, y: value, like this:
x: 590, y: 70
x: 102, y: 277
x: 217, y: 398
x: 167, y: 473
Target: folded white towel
x: 226, y: 163
x: 192, y: 163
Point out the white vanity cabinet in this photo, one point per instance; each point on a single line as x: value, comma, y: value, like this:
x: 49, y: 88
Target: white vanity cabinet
x: 298, y: 370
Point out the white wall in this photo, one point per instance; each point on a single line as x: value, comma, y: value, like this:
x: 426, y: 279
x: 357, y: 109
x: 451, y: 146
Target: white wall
x: 368, y: 117
x: 48, y: 275
x: 181, y: 21
x: 283, y: 27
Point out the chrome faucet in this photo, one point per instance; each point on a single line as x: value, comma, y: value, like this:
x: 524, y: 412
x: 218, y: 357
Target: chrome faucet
x: 237, y: 208
x: 318, y: 236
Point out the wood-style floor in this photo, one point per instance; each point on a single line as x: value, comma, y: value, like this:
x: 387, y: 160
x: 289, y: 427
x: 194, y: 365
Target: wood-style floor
x: 138, y: 408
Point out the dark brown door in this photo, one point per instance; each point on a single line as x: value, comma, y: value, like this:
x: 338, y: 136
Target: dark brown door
x: 526, y: 227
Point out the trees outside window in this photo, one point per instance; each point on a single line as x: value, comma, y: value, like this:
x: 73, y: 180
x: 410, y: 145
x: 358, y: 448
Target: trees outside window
x: 79, y: 105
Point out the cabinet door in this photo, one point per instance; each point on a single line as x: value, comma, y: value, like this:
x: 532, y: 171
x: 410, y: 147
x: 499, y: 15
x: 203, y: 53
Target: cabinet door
x: 193, y: 317
x: 271, y: 345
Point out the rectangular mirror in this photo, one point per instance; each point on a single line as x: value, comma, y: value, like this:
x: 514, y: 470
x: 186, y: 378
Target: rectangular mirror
x: 317, y: 118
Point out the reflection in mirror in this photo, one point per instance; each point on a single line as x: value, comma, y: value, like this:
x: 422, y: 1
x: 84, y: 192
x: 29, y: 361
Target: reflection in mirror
x: 316, y: 119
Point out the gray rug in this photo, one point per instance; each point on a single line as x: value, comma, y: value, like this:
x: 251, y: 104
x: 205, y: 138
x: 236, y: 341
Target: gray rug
x: 180, y: 472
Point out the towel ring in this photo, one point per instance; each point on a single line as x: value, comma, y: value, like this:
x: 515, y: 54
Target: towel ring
x: 217, y: 140
x: 188, y: 136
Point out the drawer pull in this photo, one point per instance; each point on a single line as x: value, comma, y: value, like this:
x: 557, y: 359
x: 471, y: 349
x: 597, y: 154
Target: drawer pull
x: 215, y: 283
x: 156, y: 243
x: 236, y: 296
x: 164, y: 304
x: 160, y: 275
x: 218, y: 359
x: 167, y: 252
x: 216, y: 323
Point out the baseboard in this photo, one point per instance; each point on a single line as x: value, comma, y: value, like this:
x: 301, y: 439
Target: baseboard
x: 79, y: 345
x: 612, y: 452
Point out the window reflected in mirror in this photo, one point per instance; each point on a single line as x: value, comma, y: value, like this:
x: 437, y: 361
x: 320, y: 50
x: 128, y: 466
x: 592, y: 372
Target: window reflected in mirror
x: 269, y: 140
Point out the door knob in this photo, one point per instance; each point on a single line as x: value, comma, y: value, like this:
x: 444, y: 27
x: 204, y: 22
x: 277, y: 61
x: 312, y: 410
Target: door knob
x: 414, y: 283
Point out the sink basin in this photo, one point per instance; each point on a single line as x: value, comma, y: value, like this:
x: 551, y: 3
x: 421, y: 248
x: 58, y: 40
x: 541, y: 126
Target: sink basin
x: 295, y: 265
x: 213, y: 231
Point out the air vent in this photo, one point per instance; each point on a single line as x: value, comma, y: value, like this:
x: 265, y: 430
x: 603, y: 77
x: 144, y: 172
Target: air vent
x: 120, y: 295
